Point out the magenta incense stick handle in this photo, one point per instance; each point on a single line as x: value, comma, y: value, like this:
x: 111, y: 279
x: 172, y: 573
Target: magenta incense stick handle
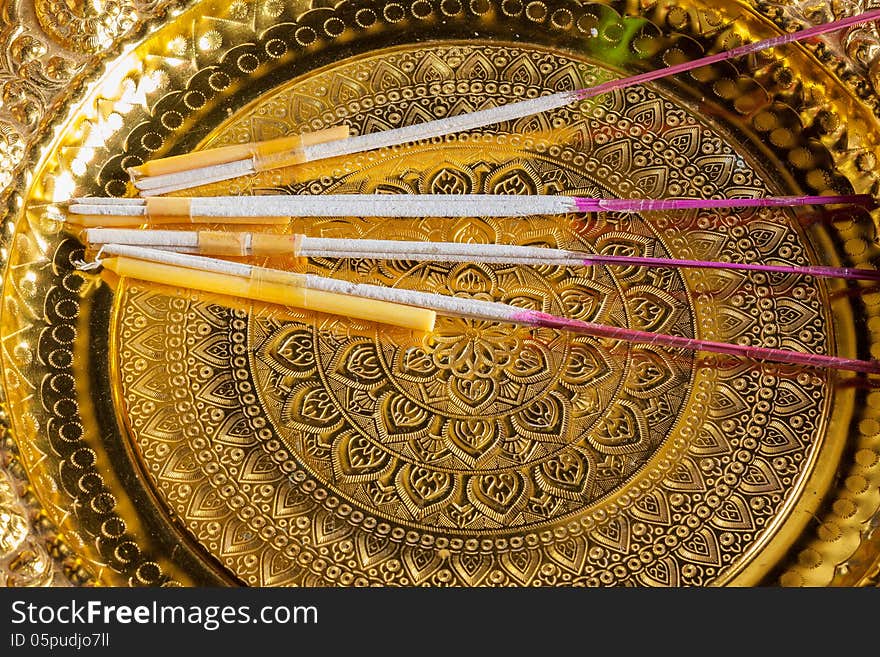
x: 730, y: 54
x: 821, y: 271
x: 534, y: 318
x: 584, y: 204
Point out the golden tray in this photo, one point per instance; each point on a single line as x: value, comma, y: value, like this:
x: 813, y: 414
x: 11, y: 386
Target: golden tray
x: 155, y: 436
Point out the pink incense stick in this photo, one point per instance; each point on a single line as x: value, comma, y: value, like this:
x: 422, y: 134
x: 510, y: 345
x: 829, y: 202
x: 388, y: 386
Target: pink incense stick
x: 259, y: 244
x: 746, y: 49
x: 820, y: 271
x: 535, y: 318
x: 487, y: 310
x: 167, y: 183
x: 422, y: 205
x: 644, y: 205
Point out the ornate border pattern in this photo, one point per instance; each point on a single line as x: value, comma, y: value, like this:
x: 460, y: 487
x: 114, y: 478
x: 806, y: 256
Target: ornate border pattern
x: 46, y: 63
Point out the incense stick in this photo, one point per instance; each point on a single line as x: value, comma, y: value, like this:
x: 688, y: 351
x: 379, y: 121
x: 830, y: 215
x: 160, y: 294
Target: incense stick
x: 266, y: 152
x: 272, y: 286
x: 268, y: 244
x: 337, y: 205
x: 245, y: 209
x: 494, y: 311
x: 163, y: 184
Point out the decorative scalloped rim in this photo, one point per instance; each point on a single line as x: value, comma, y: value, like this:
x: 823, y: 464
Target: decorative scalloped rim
x: 838, y: 531
x: 68, y: 566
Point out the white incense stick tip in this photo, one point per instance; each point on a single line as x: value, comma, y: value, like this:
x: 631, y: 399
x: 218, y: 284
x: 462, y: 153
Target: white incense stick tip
x: 106, y: 200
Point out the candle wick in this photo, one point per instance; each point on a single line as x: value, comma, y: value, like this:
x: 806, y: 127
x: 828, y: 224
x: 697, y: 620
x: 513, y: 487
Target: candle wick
x: 83, y: 265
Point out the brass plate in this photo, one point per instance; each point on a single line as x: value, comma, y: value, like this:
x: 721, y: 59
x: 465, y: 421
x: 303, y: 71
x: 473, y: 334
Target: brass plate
x: 164, y: 436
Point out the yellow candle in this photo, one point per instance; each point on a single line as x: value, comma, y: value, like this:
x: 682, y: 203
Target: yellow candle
x: 284, y: 288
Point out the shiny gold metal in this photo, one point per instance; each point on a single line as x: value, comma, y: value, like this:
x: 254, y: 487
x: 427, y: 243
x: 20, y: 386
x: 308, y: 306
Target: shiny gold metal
x: 167, y: 437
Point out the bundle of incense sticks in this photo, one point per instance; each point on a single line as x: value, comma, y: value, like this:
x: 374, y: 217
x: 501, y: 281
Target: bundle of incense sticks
x: 266, y: 285
x: 118, y: 212
x: 227, y: 243
x: 239, y: 279
x: 161, y: 177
